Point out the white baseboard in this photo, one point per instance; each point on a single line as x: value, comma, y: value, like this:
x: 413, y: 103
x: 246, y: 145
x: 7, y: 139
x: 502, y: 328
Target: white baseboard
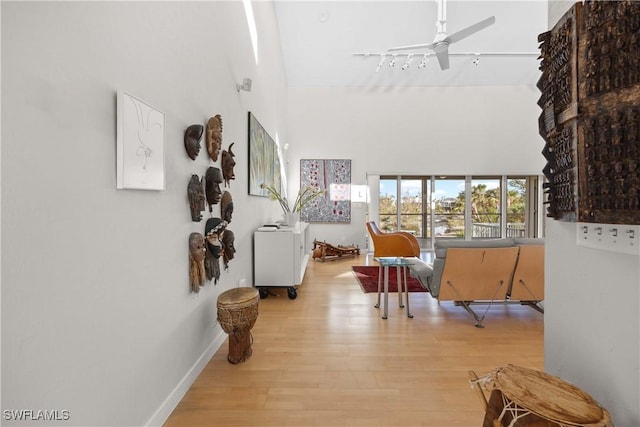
x: 162, y: 414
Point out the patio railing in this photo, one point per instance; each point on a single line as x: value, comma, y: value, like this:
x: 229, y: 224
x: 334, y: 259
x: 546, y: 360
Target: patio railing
x: 492, y: 230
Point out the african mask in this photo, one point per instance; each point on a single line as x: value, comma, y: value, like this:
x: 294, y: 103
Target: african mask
x: 227, y: 165
x: 192, y: 137
x: 212, y: 181
x: 197, y: 274
x: 195, y: 192
x: 214, y: 137
x: 213, y: 231
x: 228, y: 248
x: 226, y: 206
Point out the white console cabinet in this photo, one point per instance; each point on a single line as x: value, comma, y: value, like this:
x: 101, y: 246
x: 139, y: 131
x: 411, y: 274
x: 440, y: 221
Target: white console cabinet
x: 280, y: 258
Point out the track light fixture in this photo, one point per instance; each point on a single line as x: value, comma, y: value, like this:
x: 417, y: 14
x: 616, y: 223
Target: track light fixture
x: 382, y: 59
x: 408, y: 61
x: 427, y: 56
x: 424, y: 61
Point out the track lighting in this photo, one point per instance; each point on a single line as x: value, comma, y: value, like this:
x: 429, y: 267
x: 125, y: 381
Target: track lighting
x: 424, y: 61
x: 427, y: 56
x: 379, y: 67
x: 408, y: 61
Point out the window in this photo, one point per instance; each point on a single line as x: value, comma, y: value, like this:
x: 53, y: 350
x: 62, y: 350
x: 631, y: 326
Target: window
x: 388, y: 207
x: 449, y: 207
x: 412, y: 207
x: 485, y: 208
x: 458, y: 207
x: 516, y: 207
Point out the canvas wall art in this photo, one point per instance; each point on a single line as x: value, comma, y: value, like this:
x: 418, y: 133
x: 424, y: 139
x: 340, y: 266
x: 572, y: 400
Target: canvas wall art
x: 140, y: 145
x: 264, y: 160
x: 333, y: 176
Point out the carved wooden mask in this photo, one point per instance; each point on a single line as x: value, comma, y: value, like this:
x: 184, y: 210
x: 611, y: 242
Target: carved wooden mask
x: 214, y: 137
x: 228, y: 247
x: 226, y: 206
x: 227, y: 165
x: 197, y: 273
x: 212, y: 181
x: 213, y: 230
x: 192, y: 137
x: 195, y: 192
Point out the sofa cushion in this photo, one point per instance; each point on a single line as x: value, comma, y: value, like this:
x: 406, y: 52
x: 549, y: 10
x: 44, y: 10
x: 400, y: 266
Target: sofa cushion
x: 440, y: 246
x: 434, y: 283
x: 528, y: 241
x: 421, y: 271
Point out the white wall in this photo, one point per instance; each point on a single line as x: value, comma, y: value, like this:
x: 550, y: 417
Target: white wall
x: 437, y: 130
x: 97, y: 318
x: 592, y: 321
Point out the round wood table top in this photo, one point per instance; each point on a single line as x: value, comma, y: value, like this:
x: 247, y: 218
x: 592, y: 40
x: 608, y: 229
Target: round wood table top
x: 550, y: 397
x: 238, y: 297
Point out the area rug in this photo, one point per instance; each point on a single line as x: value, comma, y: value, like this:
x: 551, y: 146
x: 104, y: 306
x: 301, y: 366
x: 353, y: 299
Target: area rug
x: 368, y: 278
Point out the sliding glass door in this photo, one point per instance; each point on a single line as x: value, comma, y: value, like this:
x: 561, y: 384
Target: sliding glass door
x: 412, y: 209
x: 449, y: 207
x: 459, y: 207
x: 388, y: 204
x: 522, y: 206
x: 485, y: 207
x: 516, y: 207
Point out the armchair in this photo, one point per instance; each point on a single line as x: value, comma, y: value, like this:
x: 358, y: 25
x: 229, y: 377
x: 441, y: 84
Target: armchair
x: 396, y: 244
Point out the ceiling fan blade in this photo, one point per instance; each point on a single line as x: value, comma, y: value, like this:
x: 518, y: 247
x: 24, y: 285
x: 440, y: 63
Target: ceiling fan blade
x: 466, y: 32
x: 443, y: 58
x: 413, y: 46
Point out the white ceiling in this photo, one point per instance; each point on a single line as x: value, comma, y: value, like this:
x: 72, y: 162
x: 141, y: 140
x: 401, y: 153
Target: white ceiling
x: 319, y: 39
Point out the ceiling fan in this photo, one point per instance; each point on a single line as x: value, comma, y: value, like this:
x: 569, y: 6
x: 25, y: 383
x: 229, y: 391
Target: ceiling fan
x: 441, y: 42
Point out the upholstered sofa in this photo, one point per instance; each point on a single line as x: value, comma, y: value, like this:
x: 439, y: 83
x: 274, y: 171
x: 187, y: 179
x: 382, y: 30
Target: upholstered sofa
x: 485, y: 272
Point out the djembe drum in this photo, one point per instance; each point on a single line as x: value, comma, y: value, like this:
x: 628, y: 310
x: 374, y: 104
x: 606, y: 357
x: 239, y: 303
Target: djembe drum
x: 526, y: 397
x: 237, y: 313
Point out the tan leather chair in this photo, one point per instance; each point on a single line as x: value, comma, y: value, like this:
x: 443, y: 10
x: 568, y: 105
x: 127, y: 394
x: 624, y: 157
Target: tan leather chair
x: 528, y: 277
x: 395, y: 244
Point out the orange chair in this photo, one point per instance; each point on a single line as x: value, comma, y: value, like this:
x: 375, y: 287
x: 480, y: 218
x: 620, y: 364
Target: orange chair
x: 398, y: 244
x: 395, y: 244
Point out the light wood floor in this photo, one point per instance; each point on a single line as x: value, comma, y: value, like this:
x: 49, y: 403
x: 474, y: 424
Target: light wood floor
x: 328, y: 359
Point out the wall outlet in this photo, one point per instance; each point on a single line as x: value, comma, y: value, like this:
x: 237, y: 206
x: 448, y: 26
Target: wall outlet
x: 619, y: 238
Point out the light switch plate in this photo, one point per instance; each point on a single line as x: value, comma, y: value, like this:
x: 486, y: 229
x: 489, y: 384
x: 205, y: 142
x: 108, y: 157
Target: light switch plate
x: 619, y: 238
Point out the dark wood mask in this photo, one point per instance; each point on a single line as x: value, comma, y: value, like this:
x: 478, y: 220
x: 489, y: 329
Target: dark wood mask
x: 192, y: 137
x: 226, y: 206
x: 212, y: 181
x: 227, y: 165
x: 195, y: 193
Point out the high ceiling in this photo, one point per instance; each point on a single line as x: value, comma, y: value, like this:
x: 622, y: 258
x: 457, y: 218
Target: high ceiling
x: 319, y: 39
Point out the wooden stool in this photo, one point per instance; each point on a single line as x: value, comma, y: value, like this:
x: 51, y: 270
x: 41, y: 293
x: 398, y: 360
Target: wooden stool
x: 526, y: 397
x: 237, y: 313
